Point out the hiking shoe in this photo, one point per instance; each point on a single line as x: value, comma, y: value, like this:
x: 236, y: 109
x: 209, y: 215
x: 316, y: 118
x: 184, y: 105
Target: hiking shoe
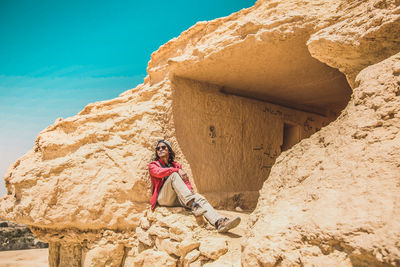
x: 224, y: 225
x: 197, y: 210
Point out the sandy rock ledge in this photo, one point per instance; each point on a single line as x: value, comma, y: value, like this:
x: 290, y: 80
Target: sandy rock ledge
x: 177, y: 239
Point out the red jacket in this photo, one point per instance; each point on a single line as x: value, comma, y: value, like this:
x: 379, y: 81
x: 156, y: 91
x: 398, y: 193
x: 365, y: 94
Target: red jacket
x: 157, y: 174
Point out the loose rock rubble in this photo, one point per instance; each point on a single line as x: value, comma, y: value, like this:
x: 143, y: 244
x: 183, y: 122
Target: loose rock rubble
x: 180, y: 239
x: 174, y: 238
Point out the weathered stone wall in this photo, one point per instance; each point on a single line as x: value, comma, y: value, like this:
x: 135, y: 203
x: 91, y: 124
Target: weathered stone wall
x: 232, y: 142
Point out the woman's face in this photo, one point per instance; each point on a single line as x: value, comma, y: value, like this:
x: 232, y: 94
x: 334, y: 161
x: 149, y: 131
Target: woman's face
x: 162, y: 150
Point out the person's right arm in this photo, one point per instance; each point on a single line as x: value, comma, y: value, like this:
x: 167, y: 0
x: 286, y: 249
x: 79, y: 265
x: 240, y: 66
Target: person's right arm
x: 160, y: 172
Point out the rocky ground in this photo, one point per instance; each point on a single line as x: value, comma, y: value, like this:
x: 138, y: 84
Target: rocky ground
x: 175, y: 237
x: 14, y: 236
x: 158, y: 236
x: 165, y: 237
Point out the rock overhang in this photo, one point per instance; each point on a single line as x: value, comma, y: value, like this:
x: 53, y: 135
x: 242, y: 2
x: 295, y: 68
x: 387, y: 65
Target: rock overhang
x: 285, y: 86
x: 270, y: 66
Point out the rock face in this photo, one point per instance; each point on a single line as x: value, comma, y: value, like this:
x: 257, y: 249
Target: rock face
x: 342, y: 205
x: 224, y: 124
x: 289, y: 109
x: 174, y: 237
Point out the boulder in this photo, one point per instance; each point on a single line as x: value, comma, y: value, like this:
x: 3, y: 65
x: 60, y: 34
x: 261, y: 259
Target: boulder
x: 151, y: 258
x: 213, y: 248
x: 144, y: 237
x: 102, y: 255
x: 190, y: 257
x: 187, y: 245
x: 158, y: 231
x: 144, y: 223
x: 169, y: 246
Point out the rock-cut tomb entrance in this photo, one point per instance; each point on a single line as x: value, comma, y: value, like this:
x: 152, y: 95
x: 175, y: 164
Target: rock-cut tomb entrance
x: 237, y: 110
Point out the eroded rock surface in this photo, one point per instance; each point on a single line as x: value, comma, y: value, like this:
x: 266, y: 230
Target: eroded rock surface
x: 175, y: 237
x: 335, y: 198
x: 235, y: 96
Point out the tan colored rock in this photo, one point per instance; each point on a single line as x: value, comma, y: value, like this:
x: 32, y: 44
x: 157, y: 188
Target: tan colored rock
x: 130, y: 257
x: 312, y: 149
x: 151, y: 258
x: 103, y: 255
x: 179, y: 232
x: 170, y: 220
x: 176, y: 219
x: 87, y: 201
x: 197, y: 263
x: 65, y: 255
x: 154, y: 216
x: 179, y: 237
x: 343, y: 199
x: 179, y: 226
x: 144, y: 237
x: 144, y: 223
x: 190, y: 257
x: 158, y: 231
x: 169, y: 246
x: 224, y: 262
x: 214, y: 247
x: 187, y: 245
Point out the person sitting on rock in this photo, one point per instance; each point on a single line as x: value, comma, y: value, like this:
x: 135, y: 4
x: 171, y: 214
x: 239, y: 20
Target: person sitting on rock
x: 171, y: 187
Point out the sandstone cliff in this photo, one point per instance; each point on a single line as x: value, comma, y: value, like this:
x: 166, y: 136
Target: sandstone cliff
x: 334, y: 200
x: 303, y: 96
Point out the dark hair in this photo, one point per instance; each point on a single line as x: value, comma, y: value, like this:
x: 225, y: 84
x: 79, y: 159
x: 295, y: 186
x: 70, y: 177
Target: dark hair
x: 171, y: 152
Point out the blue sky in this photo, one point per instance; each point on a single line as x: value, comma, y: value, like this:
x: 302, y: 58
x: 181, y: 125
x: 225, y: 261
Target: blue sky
x: 58, y: 56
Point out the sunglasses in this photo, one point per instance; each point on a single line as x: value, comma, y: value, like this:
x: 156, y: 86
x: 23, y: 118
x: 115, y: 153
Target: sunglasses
x: 161, y: 148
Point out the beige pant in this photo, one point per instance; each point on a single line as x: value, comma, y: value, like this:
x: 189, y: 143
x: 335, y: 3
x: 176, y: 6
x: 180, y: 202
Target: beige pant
x: 174, y: 192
